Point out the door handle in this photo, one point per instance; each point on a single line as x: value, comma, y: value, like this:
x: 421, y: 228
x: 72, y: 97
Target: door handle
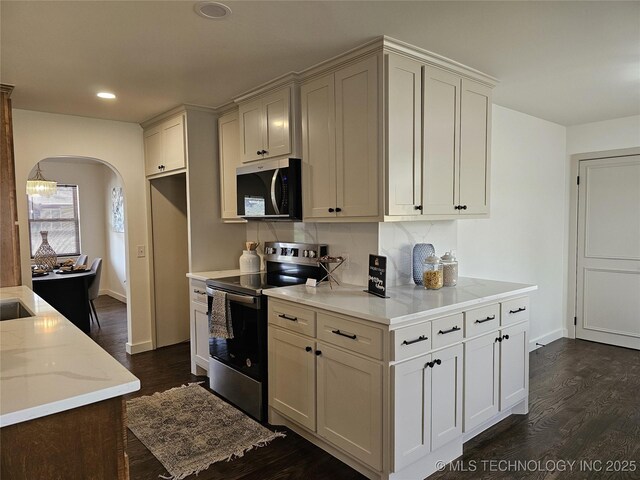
x: 454, y: 329
x: 286, y: 317
x: 342, y: 334
x: 521, y: 309
x: 421, y: 338
x: 492, y: 317
x: 274, y: 201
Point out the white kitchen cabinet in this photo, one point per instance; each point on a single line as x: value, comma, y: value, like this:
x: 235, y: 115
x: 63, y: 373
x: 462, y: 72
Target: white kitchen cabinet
x: 199, y: 328
x: 292, y: 376
x: 496, y: 373
x: 229, y: 148
x: 350, y: 403
x: 340, y: 134
x: 427, y: 404
x: 404, y: 135
x: 164, y: 146
x: 329, y: 390
x: 265, y: 126
x: 457, y: 120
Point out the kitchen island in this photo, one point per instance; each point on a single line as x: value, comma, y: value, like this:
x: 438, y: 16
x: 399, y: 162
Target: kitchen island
x: 394, y: 386
x: 62, y: 414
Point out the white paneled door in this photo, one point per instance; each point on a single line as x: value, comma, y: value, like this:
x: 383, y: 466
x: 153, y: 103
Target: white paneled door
x: 608, y: 276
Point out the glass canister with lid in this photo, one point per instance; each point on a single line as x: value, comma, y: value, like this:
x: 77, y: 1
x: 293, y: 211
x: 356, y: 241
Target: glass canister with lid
x: 432, y: 273
x: 450, y: 269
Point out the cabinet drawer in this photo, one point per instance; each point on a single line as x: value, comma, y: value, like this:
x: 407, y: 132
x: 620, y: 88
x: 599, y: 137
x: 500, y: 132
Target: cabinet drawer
x: 481, y: 320
x: 353, y: 336
x: 411, y: 341
x: 514, y: 311
x: 293, y: 317
x: 446, y: 331
x: 198, y: 294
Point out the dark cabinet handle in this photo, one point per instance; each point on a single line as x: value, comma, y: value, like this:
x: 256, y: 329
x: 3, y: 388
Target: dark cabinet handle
x: 499, y: 339
x: 454, y: 329
x: 259, y: 152
x: 492, y: 317
x: 265, y: 152
x: 331, y: 210
x: 308, y: 349
x: 505, y: 337
x: 318, y: 353
x: 421, y: 338
x: 418, y: 207
x: 338, y: 209
x: 293, y: 319
x: 521, y: 309
x: 338, y: 332
x: 463, y: 207
x: 437, y: 361
x: 457, y: 207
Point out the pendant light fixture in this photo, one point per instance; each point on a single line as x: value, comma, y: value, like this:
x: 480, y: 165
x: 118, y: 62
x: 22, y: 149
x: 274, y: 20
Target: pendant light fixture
x: 38, y: 185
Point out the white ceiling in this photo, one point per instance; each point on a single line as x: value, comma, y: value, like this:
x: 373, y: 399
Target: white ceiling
x: 567, y: 62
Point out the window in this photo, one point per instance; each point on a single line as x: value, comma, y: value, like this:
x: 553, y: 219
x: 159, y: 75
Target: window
x: 58, y: 215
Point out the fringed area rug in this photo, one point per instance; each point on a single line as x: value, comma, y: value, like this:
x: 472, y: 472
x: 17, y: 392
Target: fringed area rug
x: 188, y: 428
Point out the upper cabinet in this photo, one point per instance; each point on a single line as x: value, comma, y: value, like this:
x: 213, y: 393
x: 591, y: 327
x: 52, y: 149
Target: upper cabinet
x: 265, y: 126
x: 229, y: 149
x: 165, y: 146
x: 450, y: 179
x: 340, y: 132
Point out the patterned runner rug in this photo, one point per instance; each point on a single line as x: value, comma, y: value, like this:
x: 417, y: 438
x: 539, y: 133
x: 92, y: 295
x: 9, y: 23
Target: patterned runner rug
x: 188, y: 428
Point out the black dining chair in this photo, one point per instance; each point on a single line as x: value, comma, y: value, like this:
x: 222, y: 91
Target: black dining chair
x: 94, y: 288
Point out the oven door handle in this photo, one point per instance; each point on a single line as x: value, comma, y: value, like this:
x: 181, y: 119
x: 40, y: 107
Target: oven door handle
x: 232, y: 297
x: 274, y: 200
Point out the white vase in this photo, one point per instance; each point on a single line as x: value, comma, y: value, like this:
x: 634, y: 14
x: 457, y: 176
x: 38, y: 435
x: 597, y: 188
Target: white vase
x: 249, y: 262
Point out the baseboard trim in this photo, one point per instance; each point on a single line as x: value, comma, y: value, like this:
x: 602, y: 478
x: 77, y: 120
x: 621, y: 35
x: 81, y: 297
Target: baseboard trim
x: 547, y: 338
x: 133, y: 348
x: 112, y: 294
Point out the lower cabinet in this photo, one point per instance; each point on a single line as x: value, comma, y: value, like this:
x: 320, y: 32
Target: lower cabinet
x: 427, y: 404
x: 199, y: 328
x: 496, y: 373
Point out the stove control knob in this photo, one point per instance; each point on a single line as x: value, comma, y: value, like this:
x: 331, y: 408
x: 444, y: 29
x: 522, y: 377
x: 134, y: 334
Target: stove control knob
x: 305, y: 253
x: 312, y: 253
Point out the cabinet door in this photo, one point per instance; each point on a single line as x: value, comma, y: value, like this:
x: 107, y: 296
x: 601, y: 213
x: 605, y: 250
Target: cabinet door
x: 514, y: 365
x: 481, y: 380
x: 350, y: 404
x: 292, y: 376
x: 251, y: 130
x: 441, y: 141
x: 446, y: 392
x: 357, y: 121
x: 276, y: 111
x: 202, y: 334
x: 319, y: 147
x: 411, y: 411
x: 229, y: 144
x: 404, y: 135
x: 173, y: 144
x: 475, y: 136
x: 152, y: 150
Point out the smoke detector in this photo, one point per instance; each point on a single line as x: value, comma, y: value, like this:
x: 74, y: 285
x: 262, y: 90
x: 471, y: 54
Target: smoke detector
x: 212, y: 10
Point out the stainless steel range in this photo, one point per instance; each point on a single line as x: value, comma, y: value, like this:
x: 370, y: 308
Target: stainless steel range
x: 238, y: 366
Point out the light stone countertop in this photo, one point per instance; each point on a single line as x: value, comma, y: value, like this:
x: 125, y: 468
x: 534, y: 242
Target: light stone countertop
x: 406, y: 302
x: 47, y: 365
x: 204, y: 276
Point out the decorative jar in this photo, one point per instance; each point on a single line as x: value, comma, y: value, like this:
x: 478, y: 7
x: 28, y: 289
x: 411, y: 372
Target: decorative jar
x: 450, y: 269
x: 432, y: 274
x: 249, y: 262
x: 420, y: 253
x: 45, y: 257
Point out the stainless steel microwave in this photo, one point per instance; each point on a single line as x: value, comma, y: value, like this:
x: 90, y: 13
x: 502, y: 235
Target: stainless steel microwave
x: 270, y: 190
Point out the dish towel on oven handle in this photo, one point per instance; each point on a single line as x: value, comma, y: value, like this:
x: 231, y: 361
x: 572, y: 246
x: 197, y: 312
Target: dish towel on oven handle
x: 220, y: 325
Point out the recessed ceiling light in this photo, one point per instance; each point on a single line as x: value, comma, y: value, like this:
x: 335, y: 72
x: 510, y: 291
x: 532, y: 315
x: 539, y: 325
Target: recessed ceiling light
x: 212, y: 10
x: 106, y: 95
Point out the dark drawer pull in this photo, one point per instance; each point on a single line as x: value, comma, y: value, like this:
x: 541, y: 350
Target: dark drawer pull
x: 492, y: 317
x: 437, y: 361
x: 521, y: 309
x: 421, y: 338
x: 292, y: 319
x: 338, y: 332
x: 454, y: 329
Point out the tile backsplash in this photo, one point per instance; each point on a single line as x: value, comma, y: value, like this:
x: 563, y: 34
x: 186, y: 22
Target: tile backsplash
x: 356, y: 241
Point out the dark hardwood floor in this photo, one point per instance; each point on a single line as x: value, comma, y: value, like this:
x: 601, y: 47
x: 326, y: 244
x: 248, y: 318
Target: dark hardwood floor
x: 584, y: 405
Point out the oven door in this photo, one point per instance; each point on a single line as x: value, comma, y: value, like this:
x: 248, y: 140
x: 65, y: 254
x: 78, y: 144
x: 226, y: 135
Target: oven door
x: 246, y: 351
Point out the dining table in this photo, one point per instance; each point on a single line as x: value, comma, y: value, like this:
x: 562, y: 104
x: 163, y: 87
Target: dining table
x: 67, y: 292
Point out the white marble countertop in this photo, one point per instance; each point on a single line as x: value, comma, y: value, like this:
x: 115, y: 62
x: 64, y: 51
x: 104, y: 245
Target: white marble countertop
x: 47, y: 365
x: 203, y: 276
x: 405, y: 303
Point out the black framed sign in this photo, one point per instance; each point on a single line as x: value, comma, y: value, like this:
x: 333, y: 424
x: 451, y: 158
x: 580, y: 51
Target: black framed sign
x: 377, y: 284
